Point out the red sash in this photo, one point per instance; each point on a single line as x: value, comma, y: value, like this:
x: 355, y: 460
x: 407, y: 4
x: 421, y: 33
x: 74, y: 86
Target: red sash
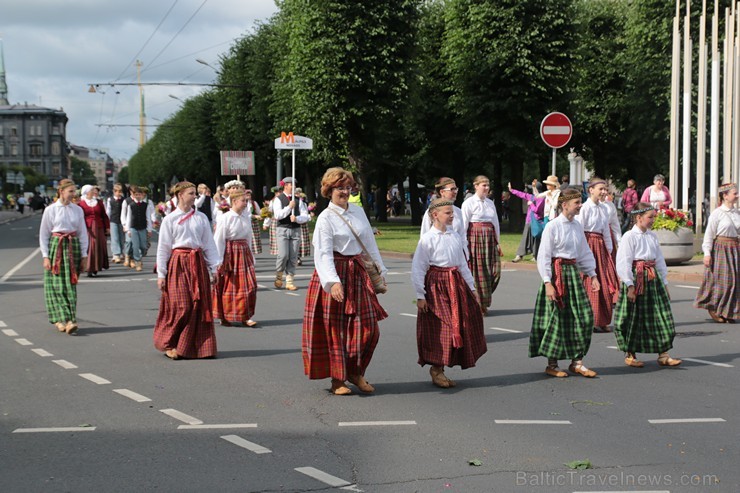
x: 57, y: 264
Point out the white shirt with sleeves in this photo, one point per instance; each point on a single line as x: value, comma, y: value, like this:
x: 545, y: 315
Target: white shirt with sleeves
x: 565, y: 239
x: 333, y: 235
x: 551, y: 203
x: 232, y: 226
x: 458, y: 225
x: 441, y: 249
x: 594, y: 217
x: 195, y: 232
x: 60, y: 218
x: 279, y: 212
x: 127, y: 218
x: 639, y: 245
x: 475, y: 210
x: 723, y: 221
x: 614, y: 226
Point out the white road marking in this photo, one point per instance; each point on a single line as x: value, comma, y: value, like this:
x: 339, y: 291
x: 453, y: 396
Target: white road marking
x: 42, y: 352
x: 2, y: 324
x: 64, y: 364
x: 216, y: 426
x: 292, y: 294
x: 509, y: 270
x: 626, y: 491
x: 132, y: 395
x: 49, y: 430
x: 612, y: 347
x: 531, y: 422
x: 94, y: 378
x: 723, y: 365
x: 501, y: 329
x: 10, y: 332
x: 251, y: 446
x: 323, y: 477
x: 24, y: 342
x: 685, y: 420
x: 174, y: 413
x: 408, y: 315
x: 21, y: 229
x: 20, y: 265
x: 272, y: 277
x: 686, y: 287
x: 261, y: 286
x: 376, y: 423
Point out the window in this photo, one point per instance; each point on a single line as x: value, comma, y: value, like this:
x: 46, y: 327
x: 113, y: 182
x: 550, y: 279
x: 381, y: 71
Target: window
x: 55, y: 169
x: 39, y: 132
x: 2, y: 149
x: 13, y: 132
x: 55, y: 130
x: 35, y: 150
x: 55, y: 149
x: 32, y: 130
x: 13, y: 149
x: 1, y: 129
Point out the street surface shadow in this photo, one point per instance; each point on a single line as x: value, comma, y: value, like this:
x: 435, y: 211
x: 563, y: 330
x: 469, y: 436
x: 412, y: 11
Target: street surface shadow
x: 279, y: 322
x: 500, y: 313
x: 85, y: 330
x: 426, y: 386
x: 507, y: 336
x: 255, y: 353
x: 697, y: 333
x: 9, y: 287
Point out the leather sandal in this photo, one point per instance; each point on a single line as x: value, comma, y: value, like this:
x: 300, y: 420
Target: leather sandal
x: 226, y: 323
x: 71, y: 328
x: 360, y: 382
x: 556, y: 372
x: 438, y: 377
x: 716, y: 318
x: 580, y: 369
x: 250, y: 323
x: 664, y: 359
x: 339, y: 388
x: 61, y: 326
x: 172, y: 354
x: 631, y: 360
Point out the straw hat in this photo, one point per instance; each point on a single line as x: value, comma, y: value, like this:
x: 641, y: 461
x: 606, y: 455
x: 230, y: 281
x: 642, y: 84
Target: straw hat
x: 552, y: 180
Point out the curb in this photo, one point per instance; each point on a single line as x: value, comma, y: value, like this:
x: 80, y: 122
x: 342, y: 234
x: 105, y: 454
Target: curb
x: 18, y: 218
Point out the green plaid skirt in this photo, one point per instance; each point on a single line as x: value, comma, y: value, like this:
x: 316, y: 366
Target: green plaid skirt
x: 645, y: 326
x: 566, y: 333
x: 59, y: 292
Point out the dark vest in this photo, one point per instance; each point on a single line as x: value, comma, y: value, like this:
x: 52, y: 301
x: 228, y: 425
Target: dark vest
x: 206, y: 208
x: 115, y: 209
x: 286, y: 222
x: 138, y: 214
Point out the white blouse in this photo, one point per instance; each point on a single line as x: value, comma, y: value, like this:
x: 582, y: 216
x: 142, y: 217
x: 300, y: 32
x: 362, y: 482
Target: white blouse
x: 565, y: 239
x: 594, y: 217
x: 332, y: 235
x: 126, y: 220
x: 279, y: 212
x: 551, y: 203
x: 60, y: 218
x: 232, y: 226
x: 441, y: 249
x: 195, y: 232
x: 656, y: 197
x: 723, y: 221
x: 639, y: 245
x: 614, y: 226
x: 475, y: 210
x: 457, y: 225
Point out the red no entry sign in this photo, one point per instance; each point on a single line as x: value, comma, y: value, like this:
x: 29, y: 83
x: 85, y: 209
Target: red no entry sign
x: 556, y: 130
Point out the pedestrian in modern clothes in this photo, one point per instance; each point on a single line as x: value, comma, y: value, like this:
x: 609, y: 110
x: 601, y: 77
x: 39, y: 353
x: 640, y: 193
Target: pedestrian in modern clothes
x: 98, y: 227
x: 289, y: 213
x: 529, y: 243
x: 658, y: 194
x: 187, y: 260
x: 449, y: 327
x: 563, y: 318
x: 445, y: 188
x: 341, y: 315
x: 113, y: 208
x: 63, y: 242
x: 629, y: 201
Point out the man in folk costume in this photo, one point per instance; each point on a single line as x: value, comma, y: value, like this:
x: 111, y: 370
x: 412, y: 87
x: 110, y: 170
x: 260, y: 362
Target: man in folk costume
x: 63, y: 241
x: 254, y: 212
x: 187, y: 259
x: 289, y: 213
x: 204, y: 202
x: 113, y: 207
x: 137, y: 224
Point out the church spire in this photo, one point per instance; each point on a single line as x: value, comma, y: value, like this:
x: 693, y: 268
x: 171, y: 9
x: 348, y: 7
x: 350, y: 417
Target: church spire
x: 3, y: 85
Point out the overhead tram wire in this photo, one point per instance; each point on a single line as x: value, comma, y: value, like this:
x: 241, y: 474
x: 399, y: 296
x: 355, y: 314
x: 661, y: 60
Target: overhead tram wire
x: 178, y: 33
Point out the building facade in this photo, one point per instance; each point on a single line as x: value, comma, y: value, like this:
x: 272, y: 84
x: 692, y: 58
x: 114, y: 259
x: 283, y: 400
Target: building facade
x: 101, y: 163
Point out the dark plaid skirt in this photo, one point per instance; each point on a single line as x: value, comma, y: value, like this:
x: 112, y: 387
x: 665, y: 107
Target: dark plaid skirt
x: 305, y: 250
x: 235, y: 292
x: 452, y: 309
x: 185, y: 322
x: 484, y: 262
x: 720, y: 289
x: 339, y: 338
x: 602, y: 301
x: 60, y: 290
x: 256, y: 237
x: 645, y: 326
x: 562, y: 333
x: 97, y: 250
x: 273, y: 237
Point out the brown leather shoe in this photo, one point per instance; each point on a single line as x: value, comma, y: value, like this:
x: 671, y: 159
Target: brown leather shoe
x: 716, y: 318
x: 438, y: 377
x: 172, y: 354
x: 71, y: 328
x: 360, y: 382
x: 664, y: 359
x: 61, y: 326
x: 580, y: 369
x: 556, y: 372
x: 339, y: 388
x: 631, y: 360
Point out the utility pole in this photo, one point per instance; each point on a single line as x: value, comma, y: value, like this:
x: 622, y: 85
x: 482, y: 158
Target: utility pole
x: 142, y: 113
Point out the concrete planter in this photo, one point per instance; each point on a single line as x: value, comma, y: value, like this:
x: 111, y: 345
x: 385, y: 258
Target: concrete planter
x: 677, y: 246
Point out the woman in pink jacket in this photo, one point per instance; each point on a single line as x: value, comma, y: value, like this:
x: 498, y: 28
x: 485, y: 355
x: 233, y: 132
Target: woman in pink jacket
x: 658, y: 195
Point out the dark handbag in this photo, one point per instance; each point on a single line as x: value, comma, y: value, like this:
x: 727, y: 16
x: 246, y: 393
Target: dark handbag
x: 536, y: 225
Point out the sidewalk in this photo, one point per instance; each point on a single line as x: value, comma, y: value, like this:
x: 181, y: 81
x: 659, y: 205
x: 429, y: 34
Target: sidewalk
x: 8, y: 216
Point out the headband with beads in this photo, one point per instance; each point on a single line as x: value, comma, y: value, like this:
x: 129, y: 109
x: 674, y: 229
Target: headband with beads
x: 180, y: 187
x: 441, y: 203
x: 726, y: 188
x: 600, y: 182
x: 564, y: 197
x: 642, y: 211
x: 444, y: 182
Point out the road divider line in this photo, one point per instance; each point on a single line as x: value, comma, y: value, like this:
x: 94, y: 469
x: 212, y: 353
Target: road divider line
x: 2, y: 324
x: 501, y: 329
x: 685, y: 420
x: 408, y: 315
x: 64, y: 364
x: 20, y: 265
x: 24, y: 342
x: 686, y: 287
x: 52, y: 430
x: 132, y: 395
x: 94, y: 378
x: 180, y: 416
x: 225, y: 426
x: 261, y: 286
x: 323, y: 477
x: 10, y: 332
x: 705, y: 362
x: 376, y: 423
x: 626, y: 491
x: 292, y: 294
x: 42, y: 352
x: 251, y: 446
x: 531, y: 422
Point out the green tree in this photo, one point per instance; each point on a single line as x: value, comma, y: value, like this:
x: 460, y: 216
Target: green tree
x: 81, y: 171
x: 123, y: 177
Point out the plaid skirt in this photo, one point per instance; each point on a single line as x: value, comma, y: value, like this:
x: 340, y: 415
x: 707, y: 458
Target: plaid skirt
x: 339, y: 338
x: 273, y: 237
x: 484, y: 262
x: 720, y: 291
x: 184, y: 322
x: 256, y: 237
x: 60, y: 283
x: 305, y: 249
x: 235, y: 292
x: 453, y: 313
x: 602, y: 301
x: 562, y: 333
x: 97, y: 250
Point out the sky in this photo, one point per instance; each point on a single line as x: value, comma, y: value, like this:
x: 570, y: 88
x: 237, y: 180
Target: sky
x: 54, y: 50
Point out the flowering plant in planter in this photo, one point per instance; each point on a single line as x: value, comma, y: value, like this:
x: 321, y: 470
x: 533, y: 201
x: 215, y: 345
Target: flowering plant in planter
x: 672, y: 219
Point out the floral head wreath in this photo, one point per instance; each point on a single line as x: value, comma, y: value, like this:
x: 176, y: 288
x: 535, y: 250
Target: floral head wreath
x: 726, y: 188
x: 180, y: 187
x: 635, y: 212
x: 568, y: 195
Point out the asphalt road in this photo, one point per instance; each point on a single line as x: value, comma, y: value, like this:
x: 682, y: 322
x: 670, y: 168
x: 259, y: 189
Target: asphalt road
x: 122, y: 417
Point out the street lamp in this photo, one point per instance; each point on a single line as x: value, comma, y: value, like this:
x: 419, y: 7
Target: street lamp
x: 203, y: 62
x: 175, y: 97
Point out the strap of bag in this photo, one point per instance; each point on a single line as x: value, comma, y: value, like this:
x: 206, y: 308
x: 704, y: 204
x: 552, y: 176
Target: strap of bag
x: 357, y: 237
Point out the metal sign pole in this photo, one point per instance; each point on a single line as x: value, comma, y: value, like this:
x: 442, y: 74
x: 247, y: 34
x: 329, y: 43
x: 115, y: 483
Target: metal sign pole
x: 554, y: 159
x: 292, y: 195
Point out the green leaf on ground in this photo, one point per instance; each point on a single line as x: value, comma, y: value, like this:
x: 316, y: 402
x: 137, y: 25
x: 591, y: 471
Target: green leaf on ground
x: 475, y: 462
x: 84, y: 425
x: 580, y: 464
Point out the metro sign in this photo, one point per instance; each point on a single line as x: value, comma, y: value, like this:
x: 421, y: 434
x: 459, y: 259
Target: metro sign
x: 556, y: 130
x: 289, y: 141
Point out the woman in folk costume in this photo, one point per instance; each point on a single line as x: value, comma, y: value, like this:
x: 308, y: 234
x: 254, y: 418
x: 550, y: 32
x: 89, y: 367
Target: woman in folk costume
x: 480, y: 221
x: 449, y: 328
x: 98, y: 227
x: 615, y: 227
x: 187, y: 259
x: 445, y: 188
x: 253, y: 211
x: 720, y: 289
x: 594, y: 217
x: 235, y: 292
x: 563, y: 319
x: 643, y: 321
x: 305, y: 249
x: 340, y: 321
x: 63, y: 241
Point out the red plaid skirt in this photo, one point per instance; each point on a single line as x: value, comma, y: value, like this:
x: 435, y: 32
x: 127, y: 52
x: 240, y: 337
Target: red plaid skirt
x: 602, y: 301
x: 256, y: 236
x: 452, y: 310
x: 97, y: 250
x: 305, y: 249
x: 484, y: 262
x: 235, y: 293
x: 184, y: 322
x: 339, y: 338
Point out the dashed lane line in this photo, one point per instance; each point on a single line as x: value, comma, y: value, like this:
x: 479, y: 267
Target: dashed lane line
x: 325, y: 477
x: 626, y: 491
x: 10, y: 332
x: 531, y: 422
x: 251, y: 446
x: 501, y: 329
x: 94, y: 378
x: 687, y: 287
x: 52, y: 430
x: 376, y: 423
x: 408, y: 315
x: 132, y: 395
x: 42, y: 352
x: 20, y: 265
x: 24, y: 342
x: 180, y: 416
x: 224, y: 426
x: 2, y: 324
x: 685, y: 420
x: 64, y: 364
